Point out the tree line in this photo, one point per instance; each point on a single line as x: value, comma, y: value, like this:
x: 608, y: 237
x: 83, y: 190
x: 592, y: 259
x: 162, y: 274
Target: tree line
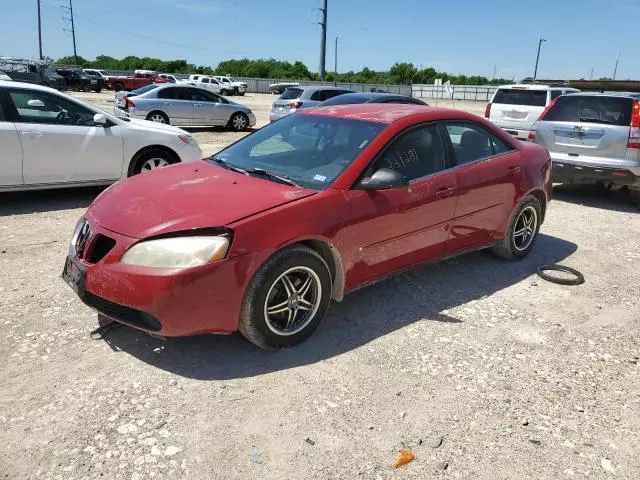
x: 399, y: 74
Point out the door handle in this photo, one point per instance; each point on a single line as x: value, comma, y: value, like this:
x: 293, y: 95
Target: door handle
x: 513, y: 170
x: 197, y: 104
x: 166, y: 103
x: 445, y: 192
x: 32, y: 134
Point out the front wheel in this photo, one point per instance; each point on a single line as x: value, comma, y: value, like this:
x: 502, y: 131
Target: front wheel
x: 239, y: 121
x: 522, y: 232
x: 158, y: 117
x: 287, y: 298
x: 151, y: 160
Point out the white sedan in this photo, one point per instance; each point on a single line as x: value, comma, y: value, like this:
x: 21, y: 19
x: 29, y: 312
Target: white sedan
x: 49, y: 140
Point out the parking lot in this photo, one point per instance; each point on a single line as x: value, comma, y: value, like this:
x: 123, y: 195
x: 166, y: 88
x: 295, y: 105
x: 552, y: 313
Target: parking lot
x: 482, y: 369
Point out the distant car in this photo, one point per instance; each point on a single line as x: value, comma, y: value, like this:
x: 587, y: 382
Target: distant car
x: 51, y: 140
x: 515, y: 108
x: 370, y: 97
x: 79, y: 80
x: 278, y: 88
x: 212, y: 84
x: 185, y: 105
x: 263, y: 235
x: 168, y: 77
x: 4, y: 76
x: 96, y: 73
x: 140, y: 78
x: 32, y: 71
x: 296, y: 98
x: 237, y: 88
x: 593, y: 138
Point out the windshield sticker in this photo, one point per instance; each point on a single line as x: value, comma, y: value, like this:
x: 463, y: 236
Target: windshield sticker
x: 319, y: 178
x: 363, y: 144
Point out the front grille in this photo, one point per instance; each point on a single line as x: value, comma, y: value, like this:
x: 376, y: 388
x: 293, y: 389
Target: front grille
x: 123, y: 314
x: 100, y: 246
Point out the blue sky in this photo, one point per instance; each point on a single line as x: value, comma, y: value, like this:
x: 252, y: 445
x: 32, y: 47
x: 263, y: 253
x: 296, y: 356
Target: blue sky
x: 464, y: 36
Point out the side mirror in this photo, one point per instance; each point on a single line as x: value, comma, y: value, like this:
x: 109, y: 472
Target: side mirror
x: 35, y: 103
x: 100, y: 119
x: 383, y: 179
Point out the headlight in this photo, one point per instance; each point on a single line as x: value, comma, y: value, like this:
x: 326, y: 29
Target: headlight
x: 188, y: 139
x: 177, y: 252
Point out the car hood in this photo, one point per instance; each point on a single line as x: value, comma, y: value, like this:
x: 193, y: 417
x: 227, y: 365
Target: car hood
x: 184, y: 197
x: 158, y: 127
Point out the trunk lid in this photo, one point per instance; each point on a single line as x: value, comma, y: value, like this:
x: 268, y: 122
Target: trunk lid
x: 517, y: 108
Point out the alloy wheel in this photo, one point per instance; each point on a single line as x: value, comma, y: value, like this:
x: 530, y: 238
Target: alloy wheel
x: 154, y: 163
x: 239, y: 122
x: 525, y: 228
x: 157, y: 118
x: 292, y: 301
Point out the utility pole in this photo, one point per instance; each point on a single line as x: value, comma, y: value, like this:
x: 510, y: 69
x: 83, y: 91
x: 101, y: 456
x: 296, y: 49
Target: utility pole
x: 39, y: 31
x: 73, y: 31
x: 323, y: 39
x: 494, y: 72
x: 615, y: 70
x: 535, y: 72
x: 591, y: 74
x: 335, y: 64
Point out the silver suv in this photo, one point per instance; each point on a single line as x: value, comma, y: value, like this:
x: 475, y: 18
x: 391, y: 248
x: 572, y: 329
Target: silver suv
x: 295, y: 98
x: 593, y: 138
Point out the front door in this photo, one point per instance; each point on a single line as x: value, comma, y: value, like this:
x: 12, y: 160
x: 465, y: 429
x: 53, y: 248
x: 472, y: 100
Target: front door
x: 488, y: 175
x: 208, y: 108
x: 10, y: 150
x: 60, y: 142
x: 395, y: 228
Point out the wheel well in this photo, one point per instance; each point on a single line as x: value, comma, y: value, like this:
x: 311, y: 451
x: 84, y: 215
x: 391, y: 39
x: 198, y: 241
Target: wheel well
x: 542, y: 198
x: 157, y: 111
x: 332, y: 258
x: 140, y: 152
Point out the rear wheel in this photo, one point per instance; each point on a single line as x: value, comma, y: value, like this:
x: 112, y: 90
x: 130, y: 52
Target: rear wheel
x: 151, y: 160
x: 287, y: 298
x: 158, y: 117
x: 239, y: 121
x: 522, y: 232
x: 118, y: 87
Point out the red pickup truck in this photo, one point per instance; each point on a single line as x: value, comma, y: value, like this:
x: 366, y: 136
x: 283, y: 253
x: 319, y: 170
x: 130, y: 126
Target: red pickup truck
x: 140, y: 78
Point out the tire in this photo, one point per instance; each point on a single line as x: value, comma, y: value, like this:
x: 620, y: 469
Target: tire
x: 305, y: 308
x: 98, y: 90
x: 150, y: 160
x: 241, y: 93
x: 85, y: 88
x: 158, y: 117
x: 224, y: 93
x: 515, y: 244
x: 239, y: 122
x: 118, y: 87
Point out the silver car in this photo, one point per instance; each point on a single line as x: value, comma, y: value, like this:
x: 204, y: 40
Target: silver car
x: 184, y: 105
x: 593, y: 138
x: 295, y: 98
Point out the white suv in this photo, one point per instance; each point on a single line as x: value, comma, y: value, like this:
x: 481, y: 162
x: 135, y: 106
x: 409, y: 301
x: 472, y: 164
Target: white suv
x: 515, y: 108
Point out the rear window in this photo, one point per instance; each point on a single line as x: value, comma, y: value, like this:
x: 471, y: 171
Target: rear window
x: 346, y: 99
x: 532, y: 98
x: 141, y: 90
x: 291, y: 93
x: 594, y: 109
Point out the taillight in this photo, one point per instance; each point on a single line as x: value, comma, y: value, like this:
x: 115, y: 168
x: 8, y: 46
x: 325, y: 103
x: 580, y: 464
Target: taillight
x: 487, y: 111
x: 295, y: 104
x: 546, y: 110
x: 128, y: 103
x: 634, y: 131
x: 532, y: 135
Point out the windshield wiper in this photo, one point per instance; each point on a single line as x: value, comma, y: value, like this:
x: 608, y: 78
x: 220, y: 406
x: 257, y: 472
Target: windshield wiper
x: 597, y: 120
x: 273, y: 176
x: 223, y: 163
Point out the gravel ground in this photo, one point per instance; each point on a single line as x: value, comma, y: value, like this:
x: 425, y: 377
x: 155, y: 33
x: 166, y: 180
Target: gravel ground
x: 481, y: 369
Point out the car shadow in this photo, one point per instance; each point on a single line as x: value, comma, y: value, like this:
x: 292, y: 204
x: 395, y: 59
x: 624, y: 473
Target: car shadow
x: 216, y: 129
x: 362, y: 317
x: 595, y: 196
x: 17, y: 203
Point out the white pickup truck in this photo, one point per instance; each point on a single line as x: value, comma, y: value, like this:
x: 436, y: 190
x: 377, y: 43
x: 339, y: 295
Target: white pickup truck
x: 210, y: 83
x: 237, y: 88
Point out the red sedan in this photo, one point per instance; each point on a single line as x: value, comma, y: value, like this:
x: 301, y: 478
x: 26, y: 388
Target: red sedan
x: 260, y: 237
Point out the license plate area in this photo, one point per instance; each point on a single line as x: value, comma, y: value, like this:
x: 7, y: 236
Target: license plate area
x: 74, y: 275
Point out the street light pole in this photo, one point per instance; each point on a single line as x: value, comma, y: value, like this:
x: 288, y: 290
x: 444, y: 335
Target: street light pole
x: 535, y: 72
x: 615, y: 70
x: 39, y: 31
x: 335, y: 64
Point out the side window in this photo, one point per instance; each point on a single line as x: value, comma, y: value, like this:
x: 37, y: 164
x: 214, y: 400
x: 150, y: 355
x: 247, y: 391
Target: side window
x: 415, y: 154
x: 555, y: 94
x: 327, y: 94
x: 43, y: 107
x: 205, y: 80
x: 472, y: 142
x: 167, y: 93
x: 317, y: 96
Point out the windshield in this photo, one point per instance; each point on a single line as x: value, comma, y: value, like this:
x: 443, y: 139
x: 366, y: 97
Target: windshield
x: 512, y: 96
x: 308, y: 149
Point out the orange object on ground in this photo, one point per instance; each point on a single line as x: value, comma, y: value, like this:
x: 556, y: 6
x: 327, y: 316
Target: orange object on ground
x: 405, y: 457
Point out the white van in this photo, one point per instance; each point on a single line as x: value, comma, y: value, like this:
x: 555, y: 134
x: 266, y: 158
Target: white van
x: 515, y: 108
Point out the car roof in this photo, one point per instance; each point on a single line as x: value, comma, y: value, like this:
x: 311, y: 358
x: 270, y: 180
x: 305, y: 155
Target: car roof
x: 26, y: 86
x: 311, y: 88
x: 387, y: 113
x: 536, y: 86
x: 635, y: 95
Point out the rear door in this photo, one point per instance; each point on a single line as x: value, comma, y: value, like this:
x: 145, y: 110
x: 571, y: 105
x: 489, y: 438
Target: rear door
x: 178, y: 104
x: 488, y: 176
x: 10, y: 150
x: 591, y: 128
x: 517, y: 108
